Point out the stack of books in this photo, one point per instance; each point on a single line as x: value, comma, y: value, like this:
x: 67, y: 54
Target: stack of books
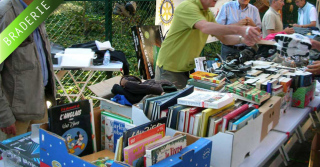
x: 248, y: 93
x: 206, y: 80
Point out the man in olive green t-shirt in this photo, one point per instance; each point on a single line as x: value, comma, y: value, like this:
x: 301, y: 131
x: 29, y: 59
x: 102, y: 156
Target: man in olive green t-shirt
x: 191, y: 25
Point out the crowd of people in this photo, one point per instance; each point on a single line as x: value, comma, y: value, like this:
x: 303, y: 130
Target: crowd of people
x: 237, y: 25
x: 26, y: 76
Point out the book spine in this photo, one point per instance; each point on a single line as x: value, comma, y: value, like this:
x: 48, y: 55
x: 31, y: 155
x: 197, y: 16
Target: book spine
x: 189, y: 102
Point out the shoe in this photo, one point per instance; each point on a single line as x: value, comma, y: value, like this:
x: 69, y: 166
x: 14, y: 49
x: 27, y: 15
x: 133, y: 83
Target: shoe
x: 131, y: 7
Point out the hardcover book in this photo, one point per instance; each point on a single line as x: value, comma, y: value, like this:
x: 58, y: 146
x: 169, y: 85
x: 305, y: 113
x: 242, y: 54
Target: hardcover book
x: 134, y: 152
x: 206, y: 99
x: 29, y: 150
x: 157, y: 130
x: 147, y: 41
x: 205, y: 117
x: 242, y: 121
x: 140, y: 129
x: 74, y: 122
x: 226, y: 118
x: 165, y: 149
x: 113, y: 129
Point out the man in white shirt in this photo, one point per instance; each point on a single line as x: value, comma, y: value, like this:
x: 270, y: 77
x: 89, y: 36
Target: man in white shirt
x: 307, y: 14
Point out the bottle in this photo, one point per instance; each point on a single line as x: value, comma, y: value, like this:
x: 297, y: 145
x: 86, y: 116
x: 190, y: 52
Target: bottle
x: 106, y: 58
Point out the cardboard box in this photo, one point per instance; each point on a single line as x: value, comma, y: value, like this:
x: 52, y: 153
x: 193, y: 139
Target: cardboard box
x: 314, y: 160
x: 271, y: 115
x: 103, y: 92
x: 228, y: 149
x: 303, y: 95
x: 54, y: 150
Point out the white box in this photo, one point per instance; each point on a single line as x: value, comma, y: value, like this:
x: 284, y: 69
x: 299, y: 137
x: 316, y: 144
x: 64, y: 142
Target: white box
x: 228, y: 149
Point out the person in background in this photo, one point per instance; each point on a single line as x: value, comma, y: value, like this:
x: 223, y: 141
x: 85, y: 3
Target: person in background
x: 26, y: 76
x: 307, y: 14
x: 240, y: 13
x: 271, y: 21
x: 191, y: 25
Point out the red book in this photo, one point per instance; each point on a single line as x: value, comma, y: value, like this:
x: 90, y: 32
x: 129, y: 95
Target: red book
x: 226, y: 118
x: 159, y: 129
x: 192, y: 111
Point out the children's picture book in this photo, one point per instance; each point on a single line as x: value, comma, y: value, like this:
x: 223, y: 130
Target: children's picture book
x: 75, y: 123
x: 113, y: 127
x: 206, y: 99
x: 140, y: 129
x: 134, y: 152
x: 165, y: 149
x: 29, y: 150
x: 157, y: 130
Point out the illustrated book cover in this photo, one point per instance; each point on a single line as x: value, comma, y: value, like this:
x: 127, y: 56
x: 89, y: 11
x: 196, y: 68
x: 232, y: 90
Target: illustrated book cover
x: 134, y: 152
x: 74, y: 122
x: 164, y: 150
x: 29, y: 150
x: 113, y: 128
x: 140, y: 129
x: 147, y: 41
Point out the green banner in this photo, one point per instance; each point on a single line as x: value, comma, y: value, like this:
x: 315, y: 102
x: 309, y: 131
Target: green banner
x: 25, y: 24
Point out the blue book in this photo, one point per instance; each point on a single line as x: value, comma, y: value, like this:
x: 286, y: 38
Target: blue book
x: 243, y: 121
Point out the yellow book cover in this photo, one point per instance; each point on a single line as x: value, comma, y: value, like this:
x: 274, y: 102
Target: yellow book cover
x: 205, y: 118
x: 204, y: 76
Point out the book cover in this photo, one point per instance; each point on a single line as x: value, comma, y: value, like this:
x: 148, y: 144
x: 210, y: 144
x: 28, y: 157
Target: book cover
x: 114, y: 129
x: 206, y: 99
x: 163, y: 151
x: 140, y: 129
x: 74, y: 122
x: 148, y: 104
x: 157, y: 130
x: 205, y: 117
x: 108, y: 137
x: 242, y: 121
x: 173, y: 115
x: 236, y: 118
x: 134, y: 152
x: 147, y: 41
x: 206, y: 76
x: 29, y: 150
x: 189, y: 113
x: 226, y: 118
x: 195, y: 122
x: 172, y: 100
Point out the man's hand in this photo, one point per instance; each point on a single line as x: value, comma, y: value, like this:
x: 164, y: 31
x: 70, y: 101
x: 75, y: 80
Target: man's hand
x: 296, y: 25
x: 247, y: 42
x: 289, y: 30
x: 251, y: 34
x: 315, y: 68
x: 242, y: 22
x: 250, y: 22
x: 10, y: 129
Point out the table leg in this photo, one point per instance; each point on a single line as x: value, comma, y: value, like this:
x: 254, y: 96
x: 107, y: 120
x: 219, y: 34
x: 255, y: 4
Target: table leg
x: 58, y: 80
x: 85, y: 84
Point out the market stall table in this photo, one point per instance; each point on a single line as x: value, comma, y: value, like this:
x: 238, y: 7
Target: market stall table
x: 112, y: 66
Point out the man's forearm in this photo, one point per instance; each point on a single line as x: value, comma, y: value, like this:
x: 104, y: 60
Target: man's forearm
x: 217, y: 29
x: 229, y: 39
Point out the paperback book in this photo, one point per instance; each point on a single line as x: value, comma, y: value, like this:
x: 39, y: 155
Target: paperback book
x: 206, y: 99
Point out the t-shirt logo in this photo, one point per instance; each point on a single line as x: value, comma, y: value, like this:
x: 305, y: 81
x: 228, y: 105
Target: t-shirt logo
x: 166, y: 11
